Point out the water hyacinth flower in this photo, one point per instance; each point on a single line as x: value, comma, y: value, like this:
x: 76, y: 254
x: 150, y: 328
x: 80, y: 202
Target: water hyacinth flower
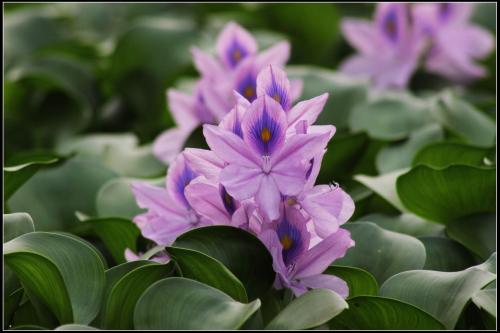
x: 388, y: 48
x: 454, y: 43
x: 299, y: 266
x: 234, y: 68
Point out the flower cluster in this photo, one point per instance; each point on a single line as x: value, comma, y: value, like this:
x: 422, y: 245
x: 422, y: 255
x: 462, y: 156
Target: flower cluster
x: 390, y: 47
x: 235, y: 67
x: 259, y: 175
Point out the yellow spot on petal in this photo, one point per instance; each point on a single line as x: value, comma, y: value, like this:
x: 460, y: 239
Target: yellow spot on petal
x: 249, y: 92
x: 277, y: 98
x: 228, y: 199
x: 291, y: 201
x: 236, y: 55
x: 287, y: 242
x: 265, y: 135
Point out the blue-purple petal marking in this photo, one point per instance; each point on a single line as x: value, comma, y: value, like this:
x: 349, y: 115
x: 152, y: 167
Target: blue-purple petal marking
x: 291, y: 240
x: 265, y: 133
x: 247, y: 87
x: 390, y: 25
x: 227, y: 200
x: 235, y: 53
x: 183, y: 180
x: 277, y: 92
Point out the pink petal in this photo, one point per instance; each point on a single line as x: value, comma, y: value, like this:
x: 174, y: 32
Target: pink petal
x: 162, y: 230
x: 179, y: 175
x: 234, y: 38
x: 308, y: 110
x: 360, y: 34
x: 277, y: 54
x: 241, y: 182
x: 273, y: 82
x: 169, y: 144
x: 156, y: 199
x: 325, y: 281
x: 204, y: 162
x: 318, y: 258
x: 206, y: 64
x: 181, y: 106
x: 296, y: 89
x: 205, y: 199
x: 290, y: 180
x: 268, y: 198
x: 229, y: 147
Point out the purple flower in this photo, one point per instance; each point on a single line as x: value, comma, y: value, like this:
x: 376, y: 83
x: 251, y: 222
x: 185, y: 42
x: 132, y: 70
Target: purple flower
x: 262, y: 164
x: 169, y: 214
x: 235, y: 69
x: 388, y: 49
x: 299, y: 266
x: 160, y: 257
x: 455, y: 43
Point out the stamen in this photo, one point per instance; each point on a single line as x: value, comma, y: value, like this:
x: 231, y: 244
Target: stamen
x: 266, y: 164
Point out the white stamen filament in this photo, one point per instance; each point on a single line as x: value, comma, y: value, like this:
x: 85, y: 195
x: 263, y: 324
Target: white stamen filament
x: 266, y: 164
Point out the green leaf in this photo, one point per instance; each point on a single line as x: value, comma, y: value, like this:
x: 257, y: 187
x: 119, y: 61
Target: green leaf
x: 464, y: 120
x: 477, y: 233
x: 405, y: 224
x: 486, y: 299
x: 381, y: 252
x: 380, y: 313
x: 66, y: 274
x: 115, y: 198
x: 442, y: 294
x: 390, y: 117
x: 344, y: 92
x: 443, y: 154
x: 52, y: 196
x: 385, y: 186
x: 117, y: 234
x: 75, y: 327
x: 178, y: 303
x: 400, y: 155
x: 22, y: 167
x: 11, y: 303
x: 360, y: 282
x: 446, y: 255
x: 448, y: 194
x: 200, y: 267
x: 311, y: 309
x: 121, y: 300
x: 16, y: 224
x: 119, y: 152
x: 241, y: 252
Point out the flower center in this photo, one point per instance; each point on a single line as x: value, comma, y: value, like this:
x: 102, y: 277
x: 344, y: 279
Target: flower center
x: 236, y: 55
x: 265, y: 134
x: 287, y: 242
x: 277, y: 97
x: 291, y: 201
x: 249, y: 92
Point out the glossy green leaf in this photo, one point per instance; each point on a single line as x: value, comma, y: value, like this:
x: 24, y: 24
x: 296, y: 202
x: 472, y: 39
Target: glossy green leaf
x: 203, y: 268
x: 16, y: 224
x: 311, y: 309
x: 241, y: 252
x: 66, y: 274
x: 448, y: 194
x: 117, y: 234
x: 400, y: 155
x: 446, y: 255
x: 120, y: 301
x: 10, y: 303
x: 360, y: 282
x: 477, y: 233
x: 178, y: 303
x: 486, y: 299
x: 380, y: 313
x: 52, y: 196
x: 381, y: 252
x: 391, y: 117
x: 442, y: 294
x: 20, y: 168
x: 384, y: 186
x: 119, y: 152
x: 406, y: 223
x: 115, y: 198
x: 464, y: 120
x: 344, y: 92
x: 443, y: 154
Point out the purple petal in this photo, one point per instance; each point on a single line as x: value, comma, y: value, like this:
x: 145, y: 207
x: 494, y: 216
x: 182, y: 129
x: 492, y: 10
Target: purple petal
x: 325, y: 281
x: 313, y: 171
x: 391, y: 21
x: 157, y: 200
x: 308, y: 110
x: 296, y: 89
x: 162, y: 230
x: 270, y: 239
x: 277, y: 54
x: 179, y: 175
x: 206, y: 200
x: 299, y: 148
x: 360, y: 34
x: 204, y: 162
x: 169, y: 144
x: 234, y: 44
x: 241, y: 182
x: 318, y: 258
x: 337, y: 202
x: 232, y: 121
x: 207, y: 65
x: 130, y: 255
x: 273, y: 82
x: 245, y: 79
x: 290, y: 179
x: 264, y: 126
x: 268, y: 197
x: 181, y: 107
x: 293, y: 234
x: 229, y: 147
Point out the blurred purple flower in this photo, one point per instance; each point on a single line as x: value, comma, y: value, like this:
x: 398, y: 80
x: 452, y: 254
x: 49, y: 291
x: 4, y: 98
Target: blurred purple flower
x: 388, y: 49
x: 455, y: 43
